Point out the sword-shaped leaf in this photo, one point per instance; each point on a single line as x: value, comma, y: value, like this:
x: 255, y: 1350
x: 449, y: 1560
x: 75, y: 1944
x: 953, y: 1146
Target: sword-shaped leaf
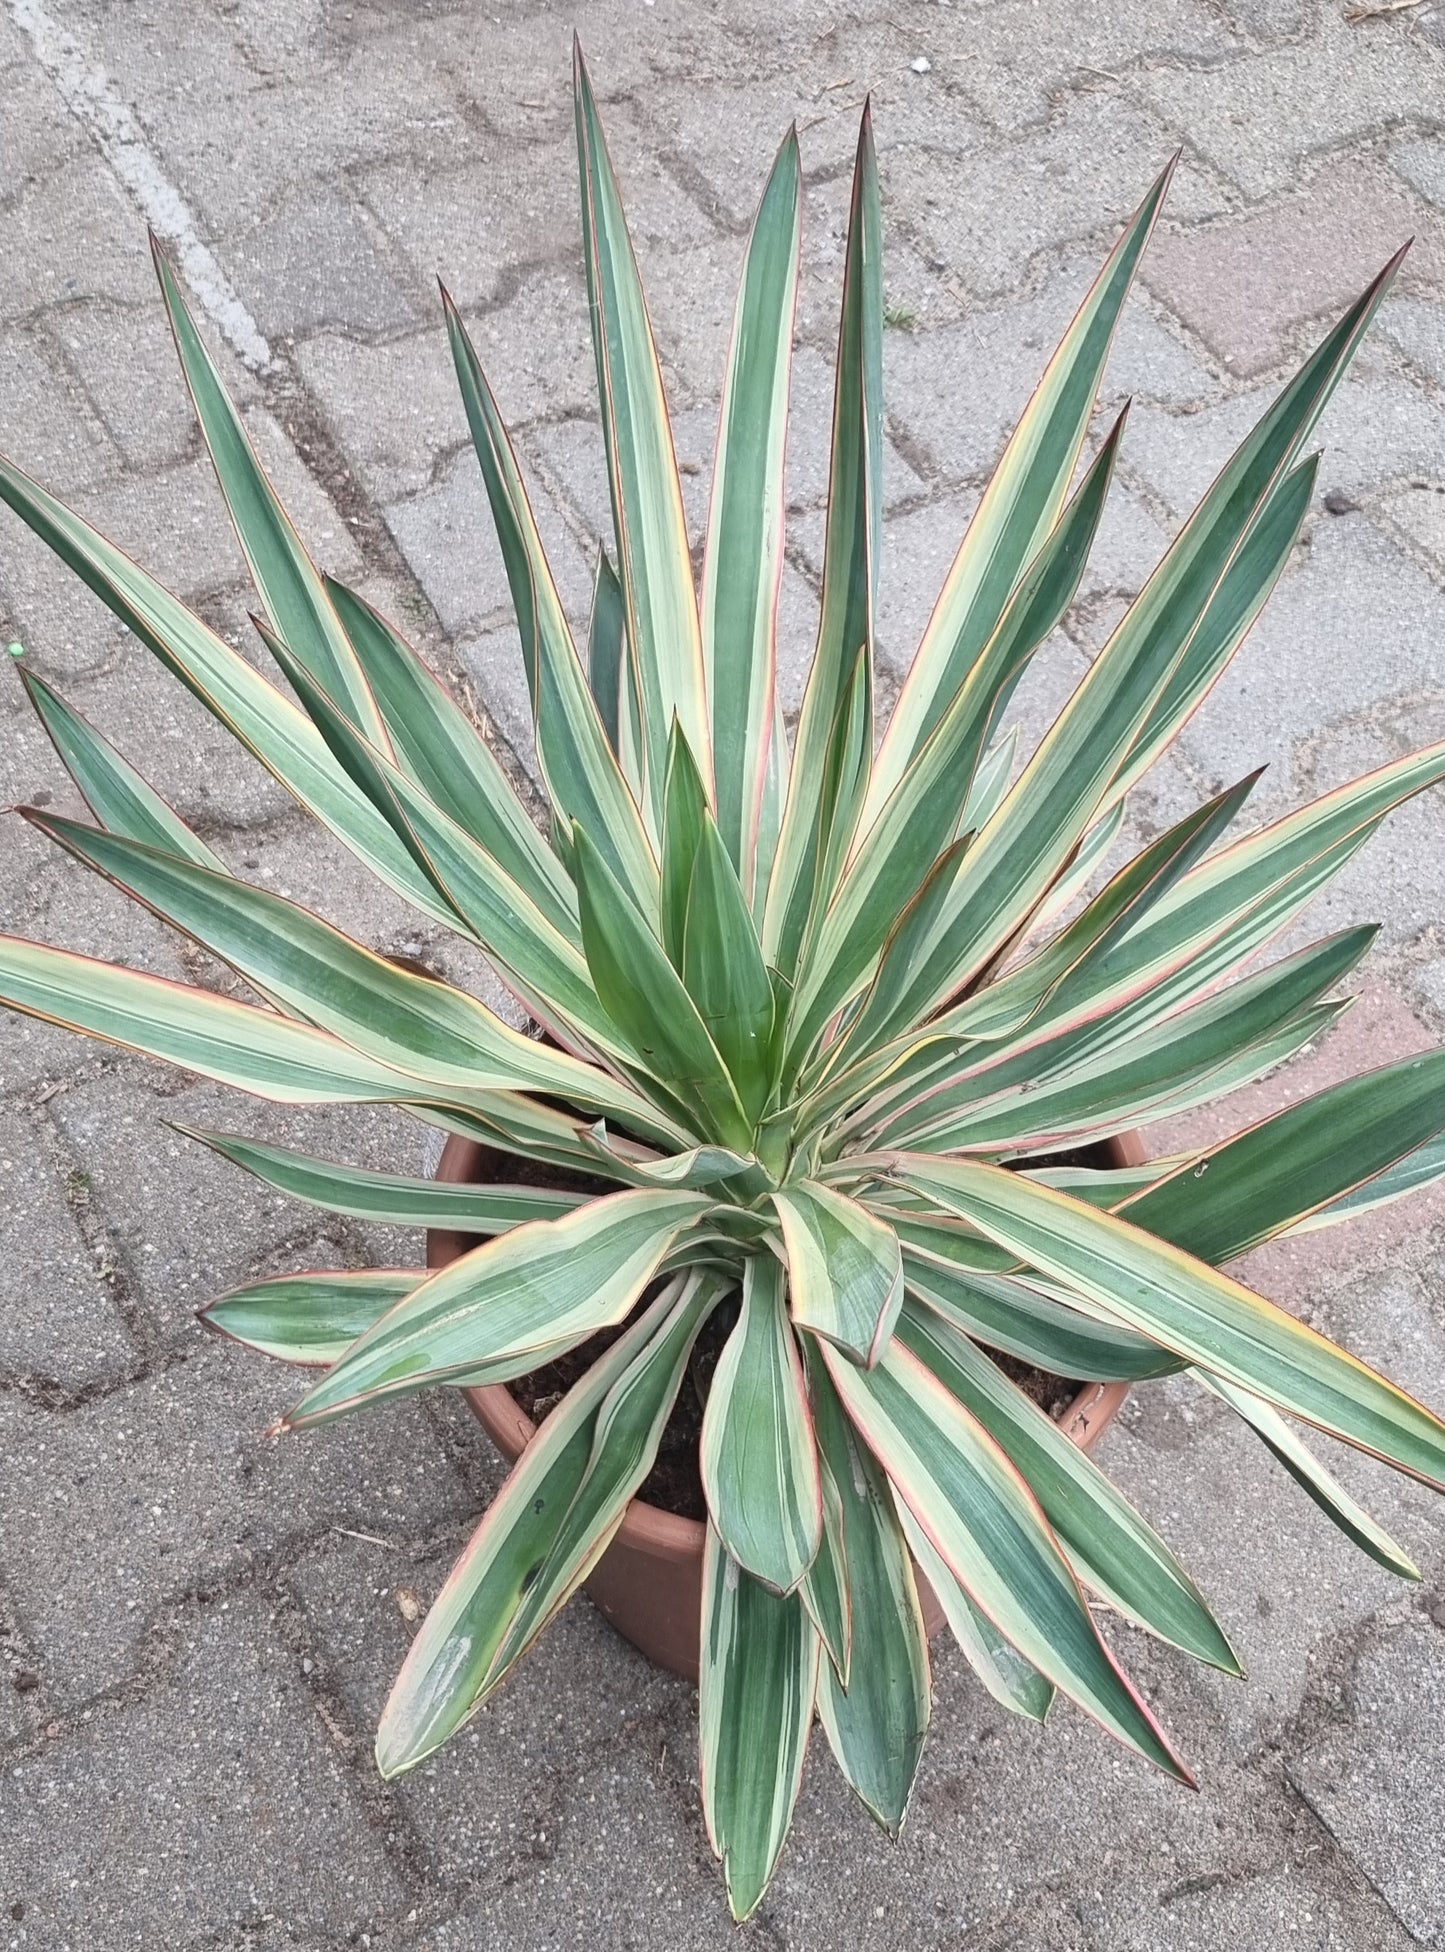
x: 758, y: 1672
x: 653, y: 563
x: 850, y: 579
x: 1019, y: 506
x: 625, y: 1438
x: 1191, y: 1308
x: 441, y: 1683
x: 437, y: 1034
x: 845, y: 1277
x: 1312, y: 1477
x: 234, y: 1043
x: 1009, y: 1314
x: 1060, y: 793
x: 388, y: 1199
x: 826, y: 1586
x: 759, y: 1460
x: 920, y: 818
x: 267, y: 724
x: 997, y: 1663
x: 644, y: 996
x: 436, y: 743
x: 548, y: 1282
x: 1305, y: 1158
x: 310, y: 1318
x: 607, y: 648
x: 743, y: 556
x: 114, y: 791
x: 1130, y: 1081
x: 289, y: 583
x: 1108, y: 1544
x: 876, y: 1724
x: 986, y: 1524
x: 684, y: 814
x: 582, y: 774
x: 724, y: 973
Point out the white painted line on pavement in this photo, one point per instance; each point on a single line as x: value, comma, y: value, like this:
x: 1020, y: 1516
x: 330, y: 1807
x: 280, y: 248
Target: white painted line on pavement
x: 92, y: 97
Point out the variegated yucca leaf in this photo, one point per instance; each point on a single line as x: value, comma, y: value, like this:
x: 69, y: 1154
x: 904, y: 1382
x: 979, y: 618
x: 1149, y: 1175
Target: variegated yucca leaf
x: 839, y: 1026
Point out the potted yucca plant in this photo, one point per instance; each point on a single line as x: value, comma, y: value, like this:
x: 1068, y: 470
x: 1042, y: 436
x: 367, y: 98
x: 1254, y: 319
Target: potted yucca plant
x: 833, y: 1028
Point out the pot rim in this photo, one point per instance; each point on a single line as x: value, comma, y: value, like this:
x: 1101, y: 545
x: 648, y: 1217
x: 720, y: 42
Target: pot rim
x: 648, y: 1528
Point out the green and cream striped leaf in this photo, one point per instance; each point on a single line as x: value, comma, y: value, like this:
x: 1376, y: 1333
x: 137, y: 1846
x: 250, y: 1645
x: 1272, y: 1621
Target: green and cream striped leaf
x: 1312, y: 1477
x: 1008, y: 1313
x: 877, y: 1723
x: 1129, y: 1083
x: 724, y: 973
x: 999, y: 1665
x: 582, y: 774
x: 1019, y: 507
x: 435, y: 742
x: 310, y: 1318
x: 549, y: 1282
x: 607, y: 649
x: 234, y: 1043
x: 1189, y: 1307
x: 440, y: 1684
x: 897, y: 853
x: 986, y: 1525
x: 266, y: 723
x: 115, y: 792
x: 644, y: 997
x: 653, y: 563
x: 625, y: 1438
x: 845, y: 1276
x: 825, y: 1586
x: 758, y: 1674
x: 815, y: 807
x: 1303, y: 1164
x: 387, y: 1199
x: 743, y: 554
x: 1107, y: 1542
x: 759, y: 1460
x: 287, y: 580
x: 438, y: 1034
x: 1059, y: 795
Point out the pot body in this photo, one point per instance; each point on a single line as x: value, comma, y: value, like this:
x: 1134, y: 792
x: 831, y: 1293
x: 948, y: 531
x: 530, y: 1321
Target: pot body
x: 648, y: 1583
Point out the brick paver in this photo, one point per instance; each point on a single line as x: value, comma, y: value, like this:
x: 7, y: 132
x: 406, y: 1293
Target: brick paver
x: 196, y: 1631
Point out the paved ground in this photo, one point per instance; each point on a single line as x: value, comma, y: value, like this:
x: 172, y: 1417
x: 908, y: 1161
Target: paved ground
x: 196, y: 1631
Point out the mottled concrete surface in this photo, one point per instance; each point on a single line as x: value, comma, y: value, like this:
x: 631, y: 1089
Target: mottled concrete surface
x: 196, y: 1630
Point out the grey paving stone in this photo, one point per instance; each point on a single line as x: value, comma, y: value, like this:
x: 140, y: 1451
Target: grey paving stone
x: 1017, y: 60
x: 46, y: 422
x: 58, y: 1319
x: 1372, y: 622
x: 1255, y: 118
x: 1042, y: 192
x: 1315, y: 1904
x: 1371, y: 1771
x: 393, y: 407
x: 530, y: 199
x: 196, y: 1811
x: 918, y: 551
x: 1246, y: 284
x: 1419, y: 512
x: 1417, y: 329
x: 158, y: 1193
x: 1375, y: 431
x: 105, y: 253
x: 163, y: 1488
x: 958, y: 391
x: 42, y: 136
x: 313, y: 262
x: 124, y: 360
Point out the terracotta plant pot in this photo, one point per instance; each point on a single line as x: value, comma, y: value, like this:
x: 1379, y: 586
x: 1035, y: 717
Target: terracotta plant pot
x: 648, y: 1583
